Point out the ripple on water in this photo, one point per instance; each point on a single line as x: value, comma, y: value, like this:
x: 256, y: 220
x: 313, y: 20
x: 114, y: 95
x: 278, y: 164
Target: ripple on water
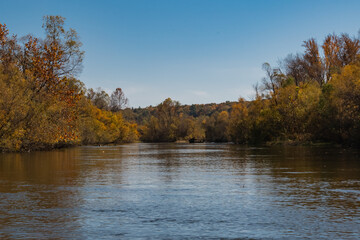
x: 180, y: 191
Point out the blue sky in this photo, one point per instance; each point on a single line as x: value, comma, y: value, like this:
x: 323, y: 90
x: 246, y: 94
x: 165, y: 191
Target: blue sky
x: 192, y: 51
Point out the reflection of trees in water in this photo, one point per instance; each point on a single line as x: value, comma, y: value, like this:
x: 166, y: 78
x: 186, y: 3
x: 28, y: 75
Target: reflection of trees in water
x: 308, y: 176
x: 34, y: 185
x: 175, y: 160
x: 53, y: 168
x: 49, y: 188
x: 167, y: 158
x: 104, y: 164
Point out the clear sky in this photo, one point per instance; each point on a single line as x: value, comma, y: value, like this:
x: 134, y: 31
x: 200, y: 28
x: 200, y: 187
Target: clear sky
x: 192, y: 51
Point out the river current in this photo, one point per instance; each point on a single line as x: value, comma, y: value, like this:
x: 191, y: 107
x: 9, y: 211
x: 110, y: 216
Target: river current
x: 181, y: 191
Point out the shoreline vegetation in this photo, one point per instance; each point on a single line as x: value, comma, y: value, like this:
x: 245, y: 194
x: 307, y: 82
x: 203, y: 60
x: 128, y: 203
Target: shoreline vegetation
x: 310, y: 98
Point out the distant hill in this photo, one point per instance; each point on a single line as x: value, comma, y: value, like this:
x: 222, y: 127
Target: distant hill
x: 139, y: 115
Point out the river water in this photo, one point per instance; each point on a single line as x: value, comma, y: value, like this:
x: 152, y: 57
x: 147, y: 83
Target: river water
x: 181, y: 191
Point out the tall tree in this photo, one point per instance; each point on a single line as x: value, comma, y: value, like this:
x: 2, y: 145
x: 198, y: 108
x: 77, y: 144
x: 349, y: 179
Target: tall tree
x: 98, y: 98
x: 118, y: 101
x: 272, y: 82
x: 295, y: 67
x: 67, y: 43
x: 312, y: 60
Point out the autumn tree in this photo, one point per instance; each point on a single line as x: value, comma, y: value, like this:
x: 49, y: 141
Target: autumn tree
x: 313, y: 65
x: 339, y: 51
x: 340, y: 110
x: 67, y: 43
x: 272, y: 82
x: 239, y: 122
x: 167, y: 114
x: 49, y: 92
x: 216, y: 127
x: 118, y: 101
x: 312, y: 61
x: 99, y: 98
x: 294, y: 66
x: 163, y: 125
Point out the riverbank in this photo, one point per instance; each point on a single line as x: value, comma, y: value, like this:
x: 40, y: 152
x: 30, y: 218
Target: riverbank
x: 45, y: 147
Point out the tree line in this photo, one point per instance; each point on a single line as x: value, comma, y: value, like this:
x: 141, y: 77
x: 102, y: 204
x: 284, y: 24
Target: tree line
x: 312, y: 96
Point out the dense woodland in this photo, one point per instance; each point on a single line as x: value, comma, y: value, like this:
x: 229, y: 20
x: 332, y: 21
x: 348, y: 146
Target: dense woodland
x: 312, y: 96
x: 43, y: 104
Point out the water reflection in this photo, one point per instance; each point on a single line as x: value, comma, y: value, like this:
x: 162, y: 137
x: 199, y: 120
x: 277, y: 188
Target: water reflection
x: 37, y: 190
x: 181, y: 191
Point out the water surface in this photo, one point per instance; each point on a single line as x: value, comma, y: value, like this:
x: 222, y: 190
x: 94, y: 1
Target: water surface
x: 177, y: 191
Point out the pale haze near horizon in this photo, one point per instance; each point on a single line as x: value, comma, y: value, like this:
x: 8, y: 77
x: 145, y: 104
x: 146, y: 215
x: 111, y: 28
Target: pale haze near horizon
x: 191, y: 51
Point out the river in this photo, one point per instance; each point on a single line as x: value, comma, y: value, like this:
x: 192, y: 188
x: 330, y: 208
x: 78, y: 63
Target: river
x: 181, y: 191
